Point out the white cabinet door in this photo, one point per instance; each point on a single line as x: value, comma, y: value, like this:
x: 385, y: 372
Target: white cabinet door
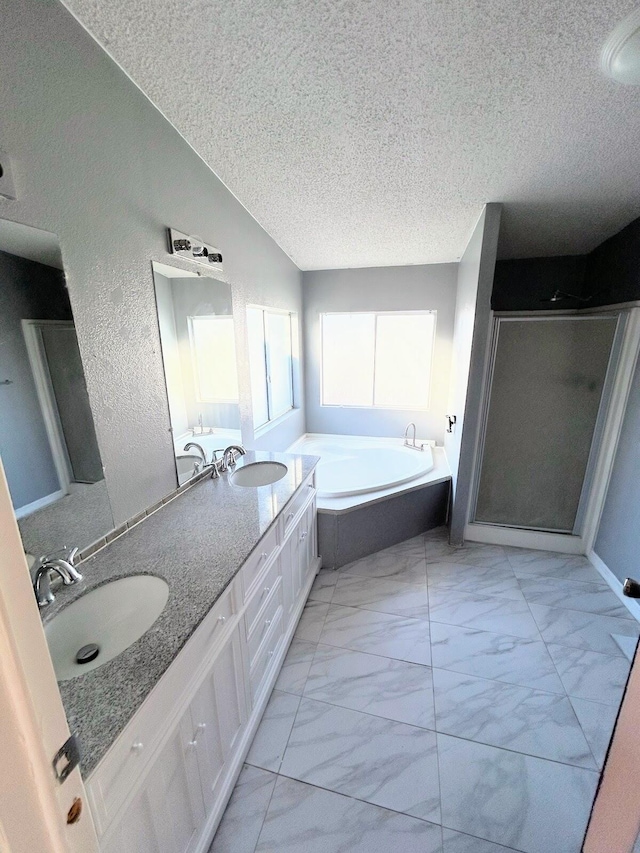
x: 219, y: 714
x: 167, y: 813
x: 307, y: 539
x: 291, y: 580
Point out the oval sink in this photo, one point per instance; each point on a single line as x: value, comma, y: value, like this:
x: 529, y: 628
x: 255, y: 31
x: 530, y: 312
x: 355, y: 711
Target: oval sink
x: 111, y: 618
x: 259, y: 474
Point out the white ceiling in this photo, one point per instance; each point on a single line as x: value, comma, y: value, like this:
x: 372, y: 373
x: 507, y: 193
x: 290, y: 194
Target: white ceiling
x: 371, y: 132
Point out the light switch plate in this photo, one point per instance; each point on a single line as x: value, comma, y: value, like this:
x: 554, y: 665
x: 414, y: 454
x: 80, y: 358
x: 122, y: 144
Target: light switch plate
x: 7, y: 185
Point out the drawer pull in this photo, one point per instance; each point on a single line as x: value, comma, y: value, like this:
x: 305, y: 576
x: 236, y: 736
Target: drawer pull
x: 267, y: 590
x: 199, y: 730
x: 271, y: 653
x: 267, y: 623
x: 290, y: 516
x: 264, y: 555
x: 303, y: 535
x: 137, y: 747
x: 222, y: 619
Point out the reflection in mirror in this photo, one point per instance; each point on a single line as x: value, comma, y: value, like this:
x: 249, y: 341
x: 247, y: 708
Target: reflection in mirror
x: 195, y: 317
x: 47, y: 438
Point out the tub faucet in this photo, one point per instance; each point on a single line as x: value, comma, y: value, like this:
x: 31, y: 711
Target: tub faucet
x: 412, y: 444
x: 199, y: 448
x: 64, y: 568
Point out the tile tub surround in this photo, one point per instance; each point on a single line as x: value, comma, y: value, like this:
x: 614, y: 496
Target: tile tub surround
x: 521, y: 725
x: 197, y: 543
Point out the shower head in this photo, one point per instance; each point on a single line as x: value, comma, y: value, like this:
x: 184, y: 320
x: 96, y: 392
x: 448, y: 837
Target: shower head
x: 561, y: 295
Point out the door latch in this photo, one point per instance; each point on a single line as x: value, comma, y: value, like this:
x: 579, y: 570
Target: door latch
x: 66, y: 759
x: 452, y: 421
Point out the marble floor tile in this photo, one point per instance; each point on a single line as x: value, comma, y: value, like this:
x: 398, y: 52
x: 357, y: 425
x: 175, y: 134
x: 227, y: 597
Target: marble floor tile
x: 508, y: 716
x: 402, y: 564
x: 501, y: 657
x: 377, y: 633
x: 383, y: 595
x: 323, y: 585
x: 458, y: 842
x: 573, y: 595
x: 382, y: 762
x: 627, y: 645
x: 591, y: 675
x: 597, y: 723
x: 489, y: 613
x: 493, y: 580
x: 526, y: 562
x: 270, y: 741
x: 582, y: 630
x: 477, y: 554
x: 516, y: 800
x: 311, y: 622
x: 242, y: 821
x: 296, y: 666
x: 302, y: 817
x: 381, y: 686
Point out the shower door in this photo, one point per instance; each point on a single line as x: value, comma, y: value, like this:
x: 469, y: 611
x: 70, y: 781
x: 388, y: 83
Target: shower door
x: 547, y: 382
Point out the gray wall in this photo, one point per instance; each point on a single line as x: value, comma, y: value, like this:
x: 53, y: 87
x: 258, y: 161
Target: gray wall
x: 98, y: 165
x: 28, y: 291
x: 430, y: 287
x: 470, y: 345
x: 618, y: 540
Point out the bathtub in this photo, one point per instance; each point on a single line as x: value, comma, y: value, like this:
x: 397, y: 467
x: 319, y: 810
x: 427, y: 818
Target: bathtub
x: 356, y: 469
x: 373, y: 493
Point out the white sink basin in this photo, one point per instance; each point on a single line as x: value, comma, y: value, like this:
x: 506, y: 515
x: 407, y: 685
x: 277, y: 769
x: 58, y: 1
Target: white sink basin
x: 259, y: 474
x: 112, y: 617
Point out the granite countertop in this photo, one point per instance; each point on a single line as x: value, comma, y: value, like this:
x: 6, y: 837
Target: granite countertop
x: 197, y: 543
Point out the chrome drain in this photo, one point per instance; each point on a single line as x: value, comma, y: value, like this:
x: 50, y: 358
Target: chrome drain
x: 87, y: 653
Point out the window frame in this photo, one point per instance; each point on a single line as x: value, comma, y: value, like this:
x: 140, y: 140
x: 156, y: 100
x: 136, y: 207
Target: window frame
x: 193, y: 349
x: 426, y: 311
x: 293, y: 319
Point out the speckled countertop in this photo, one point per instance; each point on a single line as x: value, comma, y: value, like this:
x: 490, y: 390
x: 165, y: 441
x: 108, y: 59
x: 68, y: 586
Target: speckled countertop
x: 197, y: 543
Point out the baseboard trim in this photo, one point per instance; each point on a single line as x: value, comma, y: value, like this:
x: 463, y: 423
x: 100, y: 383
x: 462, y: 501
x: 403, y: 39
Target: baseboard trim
x: 601, y: 567
x: 41, y: 503
x: 494, y: 535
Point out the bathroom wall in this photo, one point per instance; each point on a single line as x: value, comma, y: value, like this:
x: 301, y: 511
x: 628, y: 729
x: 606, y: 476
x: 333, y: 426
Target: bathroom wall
x: 28, y: 291
x: 411, y: 288
x: 618, y: 540
x: 610, y: 273
x: 98, y: 165
x: 470, y: 348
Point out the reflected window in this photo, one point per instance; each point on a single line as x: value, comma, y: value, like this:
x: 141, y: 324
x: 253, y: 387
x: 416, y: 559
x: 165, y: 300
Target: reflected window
x: 377, y: 359
x: 213, y: 350
x: 271, y: 352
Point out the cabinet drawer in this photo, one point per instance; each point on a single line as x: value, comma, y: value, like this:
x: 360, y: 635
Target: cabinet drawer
x: 258, y: 559
x: 295, y: 505
x: 266, y: 618
x: 261, y: 667
x: 266, y: 584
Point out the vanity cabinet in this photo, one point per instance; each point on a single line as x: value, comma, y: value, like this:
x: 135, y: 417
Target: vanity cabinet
x: 164, y: 784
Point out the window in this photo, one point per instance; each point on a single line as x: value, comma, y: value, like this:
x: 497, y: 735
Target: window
x: 271, y: 360
x: 213, y: 354
x: 377, y: 359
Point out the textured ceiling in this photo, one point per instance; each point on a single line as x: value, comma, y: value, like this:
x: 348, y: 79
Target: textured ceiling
x: 371, y: 133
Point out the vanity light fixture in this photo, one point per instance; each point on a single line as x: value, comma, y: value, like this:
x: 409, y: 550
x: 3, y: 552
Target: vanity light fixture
x: 620, y: 58
x: 194, y: 249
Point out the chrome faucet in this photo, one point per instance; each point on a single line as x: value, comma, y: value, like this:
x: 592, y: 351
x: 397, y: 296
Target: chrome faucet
x: 412, y: 444
x: 229, y: 456
x: 199, y: 448
x: 62, y: 567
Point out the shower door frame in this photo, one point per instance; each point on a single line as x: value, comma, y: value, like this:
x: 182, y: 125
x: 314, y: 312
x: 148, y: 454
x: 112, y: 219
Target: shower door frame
x: 622, y: 360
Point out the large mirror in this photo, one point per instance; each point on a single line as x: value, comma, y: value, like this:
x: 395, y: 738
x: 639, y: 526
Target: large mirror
x: 47, y: 437
x: 195, y: 317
